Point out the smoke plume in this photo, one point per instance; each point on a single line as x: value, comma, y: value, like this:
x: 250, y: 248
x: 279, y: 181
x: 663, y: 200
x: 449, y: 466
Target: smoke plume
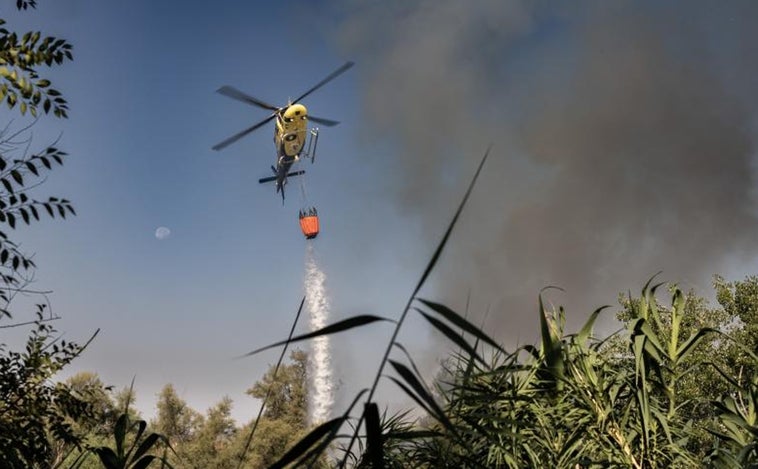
x: 624, y: 138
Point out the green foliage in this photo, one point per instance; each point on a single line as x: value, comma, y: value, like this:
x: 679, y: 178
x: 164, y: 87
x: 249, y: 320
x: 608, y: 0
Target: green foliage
x: 658, y: 394
x: 214, y: 441
x: 20, y: 83
x: 35, y: 411
x: 286, y: 390
x: 132, y: 446
x: 38, y: 417
x: 630, y: 401
x: 175, y: 419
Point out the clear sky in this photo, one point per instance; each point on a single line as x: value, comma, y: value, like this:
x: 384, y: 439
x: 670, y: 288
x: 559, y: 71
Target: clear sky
x: 144, y: 115
x: 579, y: 103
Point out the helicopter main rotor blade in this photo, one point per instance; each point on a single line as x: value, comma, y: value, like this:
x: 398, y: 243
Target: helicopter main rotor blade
x: 239, y: 135
x: 322, y: 121
x: 234, y: 93
x: 326, y: 80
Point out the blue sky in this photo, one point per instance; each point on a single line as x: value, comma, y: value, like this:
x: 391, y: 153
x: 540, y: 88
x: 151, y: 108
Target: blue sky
x: 144, y: 115
x: 592, y: 110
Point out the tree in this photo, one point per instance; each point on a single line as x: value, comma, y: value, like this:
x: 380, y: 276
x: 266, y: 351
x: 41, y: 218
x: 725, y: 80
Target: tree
x: 175, y: 419
x: 213, y: 444
x: 285, y: 392
x: 34, y: 411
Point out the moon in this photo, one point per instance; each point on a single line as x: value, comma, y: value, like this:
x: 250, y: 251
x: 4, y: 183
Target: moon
x: 162, y: 233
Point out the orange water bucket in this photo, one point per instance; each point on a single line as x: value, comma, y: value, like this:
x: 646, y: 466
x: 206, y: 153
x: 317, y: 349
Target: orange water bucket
x: 309, y: 223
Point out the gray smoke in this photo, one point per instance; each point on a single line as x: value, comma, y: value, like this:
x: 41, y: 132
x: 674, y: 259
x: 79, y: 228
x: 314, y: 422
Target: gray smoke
x: 624, y: 140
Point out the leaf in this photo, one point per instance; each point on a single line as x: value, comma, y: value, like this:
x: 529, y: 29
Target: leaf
x: 17, y: 177
x: 695, y: 339
x: 375, y: 447
x: 108, y: 457
x: 4, y: 256
x: 141, y: 426
x: 308, y: 441
x: 11, y: 220
x: 412, y: 395
x: 460, y: 322
x: 421, y: 392
x: 24, y: 215
x: 443, y: 241
x: 119, y: 433
x: 453, y: 336
x: 7, y: 185
x: 145, y: 462
x: 33, y: 169
x: 586, y: 330
x: 345, y: 324
x: 146, y: 445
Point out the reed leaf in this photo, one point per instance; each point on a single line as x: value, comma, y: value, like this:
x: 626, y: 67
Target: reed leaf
x: 339, y: 326
x: 422, y: 393
x: 375, y: 446
x: 453, y: 336
x: 443, y: 241
x: 460, y: 322
x: 309, y: 440
x: 586, y: 330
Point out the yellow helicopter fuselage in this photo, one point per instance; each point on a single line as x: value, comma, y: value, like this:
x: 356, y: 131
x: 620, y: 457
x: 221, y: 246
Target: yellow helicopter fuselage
x: 290, y: 132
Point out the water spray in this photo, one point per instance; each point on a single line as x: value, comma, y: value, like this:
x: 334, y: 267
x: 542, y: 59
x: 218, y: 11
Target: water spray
x: 320, y: 366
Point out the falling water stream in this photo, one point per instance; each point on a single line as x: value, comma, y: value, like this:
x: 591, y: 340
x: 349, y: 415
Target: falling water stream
x: 320, y: 366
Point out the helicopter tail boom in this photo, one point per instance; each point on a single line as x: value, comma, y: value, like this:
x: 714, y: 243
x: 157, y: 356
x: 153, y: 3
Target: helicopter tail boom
x: 274, y: 178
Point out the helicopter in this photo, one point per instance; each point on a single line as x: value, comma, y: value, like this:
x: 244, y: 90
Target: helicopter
x: 290, y: 131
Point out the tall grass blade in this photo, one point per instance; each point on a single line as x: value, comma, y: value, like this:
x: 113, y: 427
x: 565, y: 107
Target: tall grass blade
x: 695, y: 339
x: 586, y: 330
x: 141, y: 426
x: 375, y: 447
x: 408, y: 356
x: 443, y: 242
x: 309, y: 440
x: 453, y: 336
x: 316, y: 452
x: 119, y: 433
x: 144, y: 462
x: 107, y: 457
x: 147, y: 444
x: 422, y: 280
x: 460, y: 322
x: 412, y: 395
x: 422, y: 393
x: 268, y: 393
x: 340, y: 326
